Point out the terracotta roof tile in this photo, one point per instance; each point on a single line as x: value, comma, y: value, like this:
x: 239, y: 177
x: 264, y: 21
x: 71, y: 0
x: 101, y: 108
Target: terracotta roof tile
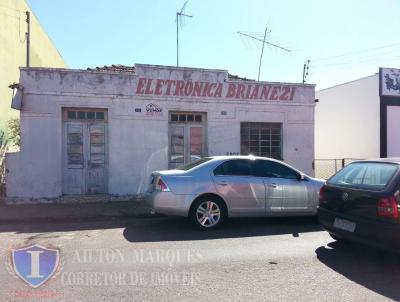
x: 114, y: 68
x: 131, y: 69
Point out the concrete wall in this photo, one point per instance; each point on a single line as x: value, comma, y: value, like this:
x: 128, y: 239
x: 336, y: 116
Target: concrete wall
x: 138, y: 144
x: 347, y: 121
x: 13, y: 51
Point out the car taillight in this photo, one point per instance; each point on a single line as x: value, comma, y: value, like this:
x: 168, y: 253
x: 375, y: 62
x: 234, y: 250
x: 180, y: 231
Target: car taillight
x: 387, y: 207
x: 162, y: 186
x: 322, y: 195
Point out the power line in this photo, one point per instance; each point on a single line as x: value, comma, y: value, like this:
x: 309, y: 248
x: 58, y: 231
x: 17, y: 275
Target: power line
x: 272, y: 44
x: 355, y: 52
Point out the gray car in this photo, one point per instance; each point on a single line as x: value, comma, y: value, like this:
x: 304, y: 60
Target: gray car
x: 212, y: 189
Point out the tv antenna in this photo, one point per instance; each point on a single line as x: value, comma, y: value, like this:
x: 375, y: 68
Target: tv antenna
x: 179, y: 15
x: 262, y: 47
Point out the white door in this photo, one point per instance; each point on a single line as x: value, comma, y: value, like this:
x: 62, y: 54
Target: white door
x: 85, y: 152
x: 186, y: 139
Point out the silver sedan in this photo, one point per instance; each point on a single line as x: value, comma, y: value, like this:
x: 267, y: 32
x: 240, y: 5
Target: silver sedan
x: 212, y: 189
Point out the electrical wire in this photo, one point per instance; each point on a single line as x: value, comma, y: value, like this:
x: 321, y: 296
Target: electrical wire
x: 355, y: 52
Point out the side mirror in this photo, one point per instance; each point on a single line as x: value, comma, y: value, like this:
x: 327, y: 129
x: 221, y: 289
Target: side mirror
x: 301, y: 177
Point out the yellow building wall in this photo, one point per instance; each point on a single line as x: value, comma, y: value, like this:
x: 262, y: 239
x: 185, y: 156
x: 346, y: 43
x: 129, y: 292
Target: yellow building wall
x: 13, y: 51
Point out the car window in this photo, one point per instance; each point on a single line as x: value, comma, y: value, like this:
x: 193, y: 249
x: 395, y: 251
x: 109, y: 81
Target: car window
x: 235, y: 167
x: 267, y: 168
x: 364, y: 174
x: 193, y: 164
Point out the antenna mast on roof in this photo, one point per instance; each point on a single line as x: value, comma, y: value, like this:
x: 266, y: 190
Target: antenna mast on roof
x: 262, y: 47
x: 179, y: 16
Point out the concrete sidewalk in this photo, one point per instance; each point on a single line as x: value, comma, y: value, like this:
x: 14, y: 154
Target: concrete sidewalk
x: 64, y: 211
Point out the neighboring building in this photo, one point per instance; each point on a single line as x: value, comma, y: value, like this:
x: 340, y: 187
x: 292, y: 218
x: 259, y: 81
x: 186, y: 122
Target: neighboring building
x: 13, y: 51
x: 347, y: 120
x: 104, y: 131
x: 358, y: 120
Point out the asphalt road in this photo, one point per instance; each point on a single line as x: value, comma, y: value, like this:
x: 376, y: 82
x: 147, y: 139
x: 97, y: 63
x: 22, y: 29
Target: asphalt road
x: 165, y: 259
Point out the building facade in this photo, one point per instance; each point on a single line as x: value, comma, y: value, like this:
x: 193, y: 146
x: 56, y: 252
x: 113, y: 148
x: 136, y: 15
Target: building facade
x: 359, y: 119
x: 104, y: 131
x: 13, y: 51
x: 347, y: 121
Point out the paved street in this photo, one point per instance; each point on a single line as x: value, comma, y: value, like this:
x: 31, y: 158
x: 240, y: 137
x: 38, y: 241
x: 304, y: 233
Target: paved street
x: 165, y: 259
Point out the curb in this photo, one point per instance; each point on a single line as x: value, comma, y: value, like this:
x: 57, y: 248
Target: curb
x: 73, y: 212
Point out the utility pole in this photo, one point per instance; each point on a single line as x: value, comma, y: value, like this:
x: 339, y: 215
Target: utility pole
x: 306, y: 67
x: 177, y: 40
x: 179, y: 16
x: 28, y: 37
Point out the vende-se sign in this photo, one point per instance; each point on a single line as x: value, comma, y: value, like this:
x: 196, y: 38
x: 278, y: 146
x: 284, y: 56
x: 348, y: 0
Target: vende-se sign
x: 180, y: 88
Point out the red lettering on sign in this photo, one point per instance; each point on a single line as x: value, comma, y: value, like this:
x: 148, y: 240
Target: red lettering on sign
x: 179, y: 88
x: 197, y: 88
x: 140, y: 84
x: 240, y: 91
x: 285, y: 93
x: 248, y: 91
x: 274, y: 93
x: 204, y: 94
x: 210, y: 90
x: 188, y: 88
x: 235, y: 90
x: 292, y: 94
x: 254, y: 94
x: 169, y: 85
x: 265, y: 92
x: 218, y: 91
x: 231, y: 91
x: 159, y: 85
x: 148, y: 87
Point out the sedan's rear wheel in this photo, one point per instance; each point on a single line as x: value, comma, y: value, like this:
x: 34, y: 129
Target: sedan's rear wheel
x: 207, y: 213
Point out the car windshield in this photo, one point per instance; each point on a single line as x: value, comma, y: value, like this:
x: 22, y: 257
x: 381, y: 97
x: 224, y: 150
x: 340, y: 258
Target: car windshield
x: 193, y: 164
x: 374, y: 176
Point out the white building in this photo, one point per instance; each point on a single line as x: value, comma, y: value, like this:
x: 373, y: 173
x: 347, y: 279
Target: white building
x: 104, y: 131
x: 359, y: 119
x: 347, y: 120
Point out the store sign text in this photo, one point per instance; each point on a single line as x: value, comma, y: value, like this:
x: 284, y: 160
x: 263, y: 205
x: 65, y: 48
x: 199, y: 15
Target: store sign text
x: 180, y: 88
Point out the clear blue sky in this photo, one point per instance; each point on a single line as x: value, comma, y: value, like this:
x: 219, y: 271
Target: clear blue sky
x: 93, y: 33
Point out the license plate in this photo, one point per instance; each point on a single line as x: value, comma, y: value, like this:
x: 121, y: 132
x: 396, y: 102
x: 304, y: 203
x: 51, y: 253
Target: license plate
x: 344, y: 224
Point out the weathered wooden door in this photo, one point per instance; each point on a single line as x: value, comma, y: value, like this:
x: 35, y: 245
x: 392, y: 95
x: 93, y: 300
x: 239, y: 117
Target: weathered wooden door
x: 85, y: 152
x: 187, y: 141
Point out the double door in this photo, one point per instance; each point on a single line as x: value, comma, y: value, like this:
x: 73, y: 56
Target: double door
x: 186, y: 139
x: 85, y: 153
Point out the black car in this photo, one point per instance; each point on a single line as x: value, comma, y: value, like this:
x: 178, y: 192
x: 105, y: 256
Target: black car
x: 361, y: 203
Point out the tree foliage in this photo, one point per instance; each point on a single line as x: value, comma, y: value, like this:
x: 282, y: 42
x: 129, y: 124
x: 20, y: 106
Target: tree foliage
x: 3, y: 148
x: 14, y: 132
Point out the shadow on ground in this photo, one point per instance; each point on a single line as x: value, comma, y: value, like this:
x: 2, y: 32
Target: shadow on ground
x: 374, y: 269
x: 173, y: 228
x: 180, y: 229
x: 66, y: 225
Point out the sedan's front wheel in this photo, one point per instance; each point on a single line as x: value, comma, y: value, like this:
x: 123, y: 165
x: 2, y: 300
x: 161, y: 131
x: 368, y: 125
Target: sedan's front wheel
x: 208, y: 213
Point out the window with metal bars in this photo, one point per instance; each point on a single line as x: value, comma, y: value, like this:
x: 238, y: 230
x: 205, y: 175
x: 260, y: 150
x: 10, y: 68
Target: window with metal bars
x: 261, y: 139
